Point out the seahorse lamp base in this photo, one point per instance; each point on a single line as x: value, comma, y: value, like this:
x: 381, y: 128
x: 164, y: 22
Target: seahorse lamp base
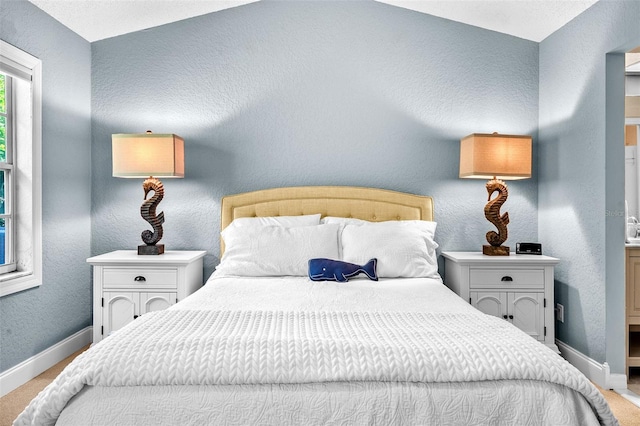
x: 151, y: 250
x: 495, y: 251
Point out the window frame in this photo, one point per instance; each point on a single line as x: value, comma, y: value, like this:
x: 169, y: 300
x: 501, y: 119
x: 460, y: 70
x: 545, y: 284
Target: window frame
x: 9, y: 185
x: 19, y: 64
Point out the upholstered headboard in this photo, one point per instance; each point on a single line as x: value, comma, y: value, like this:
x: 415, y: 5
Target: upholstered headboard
x: 342, y: 201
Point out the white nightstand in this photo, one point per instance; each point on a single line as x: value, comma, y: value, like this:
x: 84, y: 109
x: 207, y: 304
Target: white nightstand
x: 518, y: 288
x: 126, y: 285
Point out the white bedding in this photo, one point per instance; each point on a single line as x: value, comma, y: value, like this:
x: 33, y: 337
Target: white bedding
x: 291, y: 351
x: 506, y: 403
x: 302, y: 294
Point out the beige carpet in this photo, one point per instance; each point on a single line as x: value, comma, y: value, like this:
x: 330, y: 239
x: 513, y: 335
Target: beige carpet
x: 14, y: 402
x: 626, y: 413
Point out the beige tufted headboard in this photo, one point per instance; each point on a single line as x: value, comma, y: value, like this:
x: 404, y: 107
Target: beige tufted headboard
x: 342, y: 201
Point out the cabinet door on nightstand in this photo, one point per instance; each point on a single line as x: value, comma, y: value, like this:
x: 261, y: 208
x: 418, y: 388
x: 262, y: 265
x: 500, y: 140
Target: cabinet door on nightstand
x: 528, y: 313
x: 156, y: 301
x: 119, y: 309
x: 490, y: 302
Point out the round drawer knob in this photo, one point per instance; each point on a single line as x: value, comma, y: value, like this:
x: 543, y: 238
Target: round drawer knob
x: 139, y: 278
x: 506, y: 278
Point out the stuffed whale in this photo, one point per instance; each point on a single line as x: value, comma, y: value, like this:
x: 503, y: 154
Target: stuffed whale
x: 337, y: 270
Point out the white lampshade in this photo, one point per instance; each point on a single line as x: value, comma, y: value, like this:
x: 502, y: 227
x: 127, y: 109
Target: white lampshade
x: 147, y: 154
x: 484, y: 156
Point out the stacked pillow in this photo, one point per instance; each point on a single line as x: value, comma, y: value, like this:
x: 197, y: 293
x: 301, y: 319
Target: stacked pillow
x: 282, y: 246
x: 404, y: 248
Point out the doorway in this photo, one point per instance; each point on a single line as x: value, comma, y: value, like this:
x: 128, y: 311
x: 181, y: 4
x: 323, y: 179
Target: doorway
x: 632, y: 213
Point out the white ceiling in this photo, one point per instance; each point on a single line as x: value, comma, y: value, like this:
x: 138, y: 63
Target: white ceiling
x: 99, y: 19
x: 529, y: 19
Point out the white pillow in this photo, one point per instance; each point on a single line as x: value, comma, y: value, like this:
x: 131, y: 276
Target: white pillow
x: 403, y: 248
x: 286, y: 221
x: 276, y: 250
x: 344, y: 220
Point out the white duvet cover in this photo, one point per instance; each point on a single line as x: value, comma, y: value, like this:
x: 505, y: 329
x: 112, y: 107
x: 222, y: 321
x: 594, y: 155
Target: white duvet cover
x: 292, y: 351
x: 302, y: 294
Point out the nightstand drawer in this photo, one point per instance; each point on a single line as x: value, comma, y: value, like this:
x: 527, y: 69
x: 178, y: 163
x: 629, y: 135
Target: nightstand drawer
x: 506, y: 278
x: 140, y: 277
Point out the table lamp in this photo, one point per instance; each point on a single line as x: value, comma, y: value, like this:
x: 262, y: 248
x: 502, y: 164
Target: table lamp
x: 497, y: 158
x: 151, y: 156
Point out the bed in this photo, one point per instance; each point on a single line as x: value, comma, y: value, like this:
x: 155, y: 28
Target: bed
x: 261, y: 343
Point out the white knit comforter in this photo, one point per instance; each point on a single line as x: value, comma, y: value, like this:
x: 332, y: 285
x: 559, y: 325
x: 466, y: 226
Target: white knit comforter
x: 199, y: 347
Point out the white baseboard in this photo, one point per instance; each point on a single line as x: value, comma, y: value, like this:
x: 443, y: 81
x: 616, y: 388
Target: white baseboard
x: 629, y: 396
x: 598, y: 373
x: 20, y: 374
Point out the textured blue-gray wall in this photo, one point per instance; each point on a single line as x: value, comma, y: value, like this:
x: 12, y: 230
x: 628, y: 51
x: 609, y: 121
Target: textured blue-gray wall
x: 344, y: 93
x: 310, y: 93
x: 581, y: 173
x: 33, y: 320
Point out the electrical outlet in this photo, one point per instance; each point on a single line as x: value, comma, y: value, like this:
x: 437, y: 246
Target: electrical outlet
x: 559, y: 312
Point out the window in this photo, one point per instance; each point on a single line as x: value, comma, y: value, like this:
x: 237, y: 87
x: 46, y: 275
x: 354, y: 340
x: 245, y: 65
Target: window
x: 20, y: 170
x: 7, y: 255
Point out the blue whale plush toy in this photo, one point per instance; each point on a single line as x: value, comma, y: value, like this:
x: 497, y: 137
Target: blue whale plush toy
x: 336, y: 270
